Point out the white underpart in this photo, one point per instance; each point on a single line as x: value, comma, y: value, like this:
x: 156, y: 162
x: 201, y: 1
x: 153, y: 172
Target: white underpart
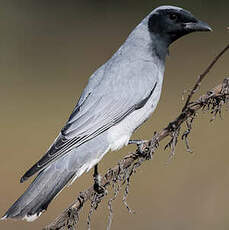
x: 119, y: 141
x: 4, y: 217
x: 87, y: 166
x: 26, y: 217
x: 120, y: 134
x: 32, y: 217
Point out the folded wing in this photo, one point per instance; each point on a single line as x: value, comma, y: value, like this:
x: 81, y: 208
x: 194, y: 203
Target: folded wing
x: 98, y: 109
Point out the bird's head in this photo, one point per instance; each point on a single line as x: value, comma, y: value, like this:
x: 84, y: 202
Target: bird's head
x: 171, y: 23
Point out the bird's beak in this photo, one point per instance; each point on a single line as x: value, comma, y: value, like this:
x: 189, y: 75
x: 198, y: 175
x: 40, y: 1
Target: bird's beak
x: 197, y: 26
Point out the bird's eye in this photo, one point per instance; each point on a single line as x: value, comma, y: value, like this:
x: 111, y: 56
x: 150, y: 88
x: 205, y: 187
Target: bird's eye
x: 173, y: 17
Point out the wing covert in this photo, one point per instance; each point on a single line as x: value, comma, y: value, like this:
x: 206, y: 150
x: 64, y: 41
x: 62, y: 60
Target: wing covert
x: 100, y: 110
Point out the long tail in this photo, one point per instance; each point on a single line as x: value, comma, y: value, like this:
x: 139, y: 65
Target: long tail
x: 39, y: 194
x: 53, y: 179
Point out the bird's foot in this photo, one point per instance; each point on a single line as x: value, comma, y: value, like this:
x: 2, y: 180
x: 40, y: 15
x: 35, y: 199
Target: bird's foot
x: 97, y: 185
x: 140, y: 144
x: 97, y: 182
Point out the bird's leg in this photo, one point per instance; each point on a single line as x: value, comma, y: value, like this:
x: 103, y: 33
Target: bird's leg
x: 139, y: 143
x: 97, y: 181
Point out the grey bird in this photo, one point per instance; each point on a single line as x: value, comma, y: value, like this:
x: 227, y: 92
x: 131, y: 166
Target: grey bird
x: 119, y: 97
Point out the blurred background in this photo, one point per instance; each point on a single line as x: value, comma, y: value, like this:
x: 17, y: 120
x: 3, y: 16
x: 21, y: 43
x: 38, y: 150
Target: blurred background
x: 48, y: 49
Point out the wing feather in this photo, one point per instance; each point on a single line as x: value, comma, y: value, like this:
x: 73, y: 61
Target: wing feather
x: 100, y: 110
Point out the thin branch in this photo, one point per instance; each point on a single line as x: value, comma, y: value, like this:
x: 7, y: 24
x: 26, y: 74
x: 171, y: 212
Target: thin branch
x: 201, y: 76
x: 212, y: 101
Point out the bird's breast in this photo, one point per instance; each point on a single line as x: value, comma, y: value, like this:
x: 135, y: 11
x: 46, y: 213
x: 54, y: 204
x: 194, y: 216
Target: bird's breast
x: 119, y: 135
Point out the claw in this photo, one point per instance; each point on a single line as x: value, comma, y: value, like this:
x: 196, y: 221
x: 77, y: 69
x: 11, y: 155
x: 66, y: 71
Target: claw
x: 139, y: 143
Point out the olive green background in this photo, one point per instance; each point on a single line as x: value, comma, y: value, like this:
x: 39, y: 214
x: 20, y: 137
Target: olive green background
x: 48, y: 49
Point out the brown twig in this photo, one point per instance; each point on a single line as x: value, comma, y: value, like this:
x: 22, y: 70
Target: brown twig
x: 201, y: 76
x: 212, y: 101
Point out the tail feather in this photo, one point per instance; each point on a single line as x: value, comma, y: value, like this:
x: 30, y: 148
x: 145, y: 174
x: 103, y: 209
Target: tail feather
x: 39, y: 194
x: 51, y: 180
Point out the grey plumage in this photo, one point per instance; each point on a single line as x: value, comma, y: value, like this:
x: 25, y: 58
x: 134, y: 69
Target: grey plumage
x: 119, y: 97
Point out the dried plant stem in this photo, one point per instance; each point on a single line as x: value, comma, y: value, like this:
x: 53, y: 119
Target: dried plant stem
x: 201, y: 76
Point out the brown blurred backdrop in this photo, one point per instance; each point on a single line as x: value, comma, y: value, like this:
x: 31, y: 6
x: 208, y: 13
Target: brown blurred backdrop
x: 48, y: 49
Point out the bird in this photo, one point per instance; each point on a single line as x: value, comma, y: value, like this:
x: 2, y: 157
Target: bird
x: 119, y: 97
